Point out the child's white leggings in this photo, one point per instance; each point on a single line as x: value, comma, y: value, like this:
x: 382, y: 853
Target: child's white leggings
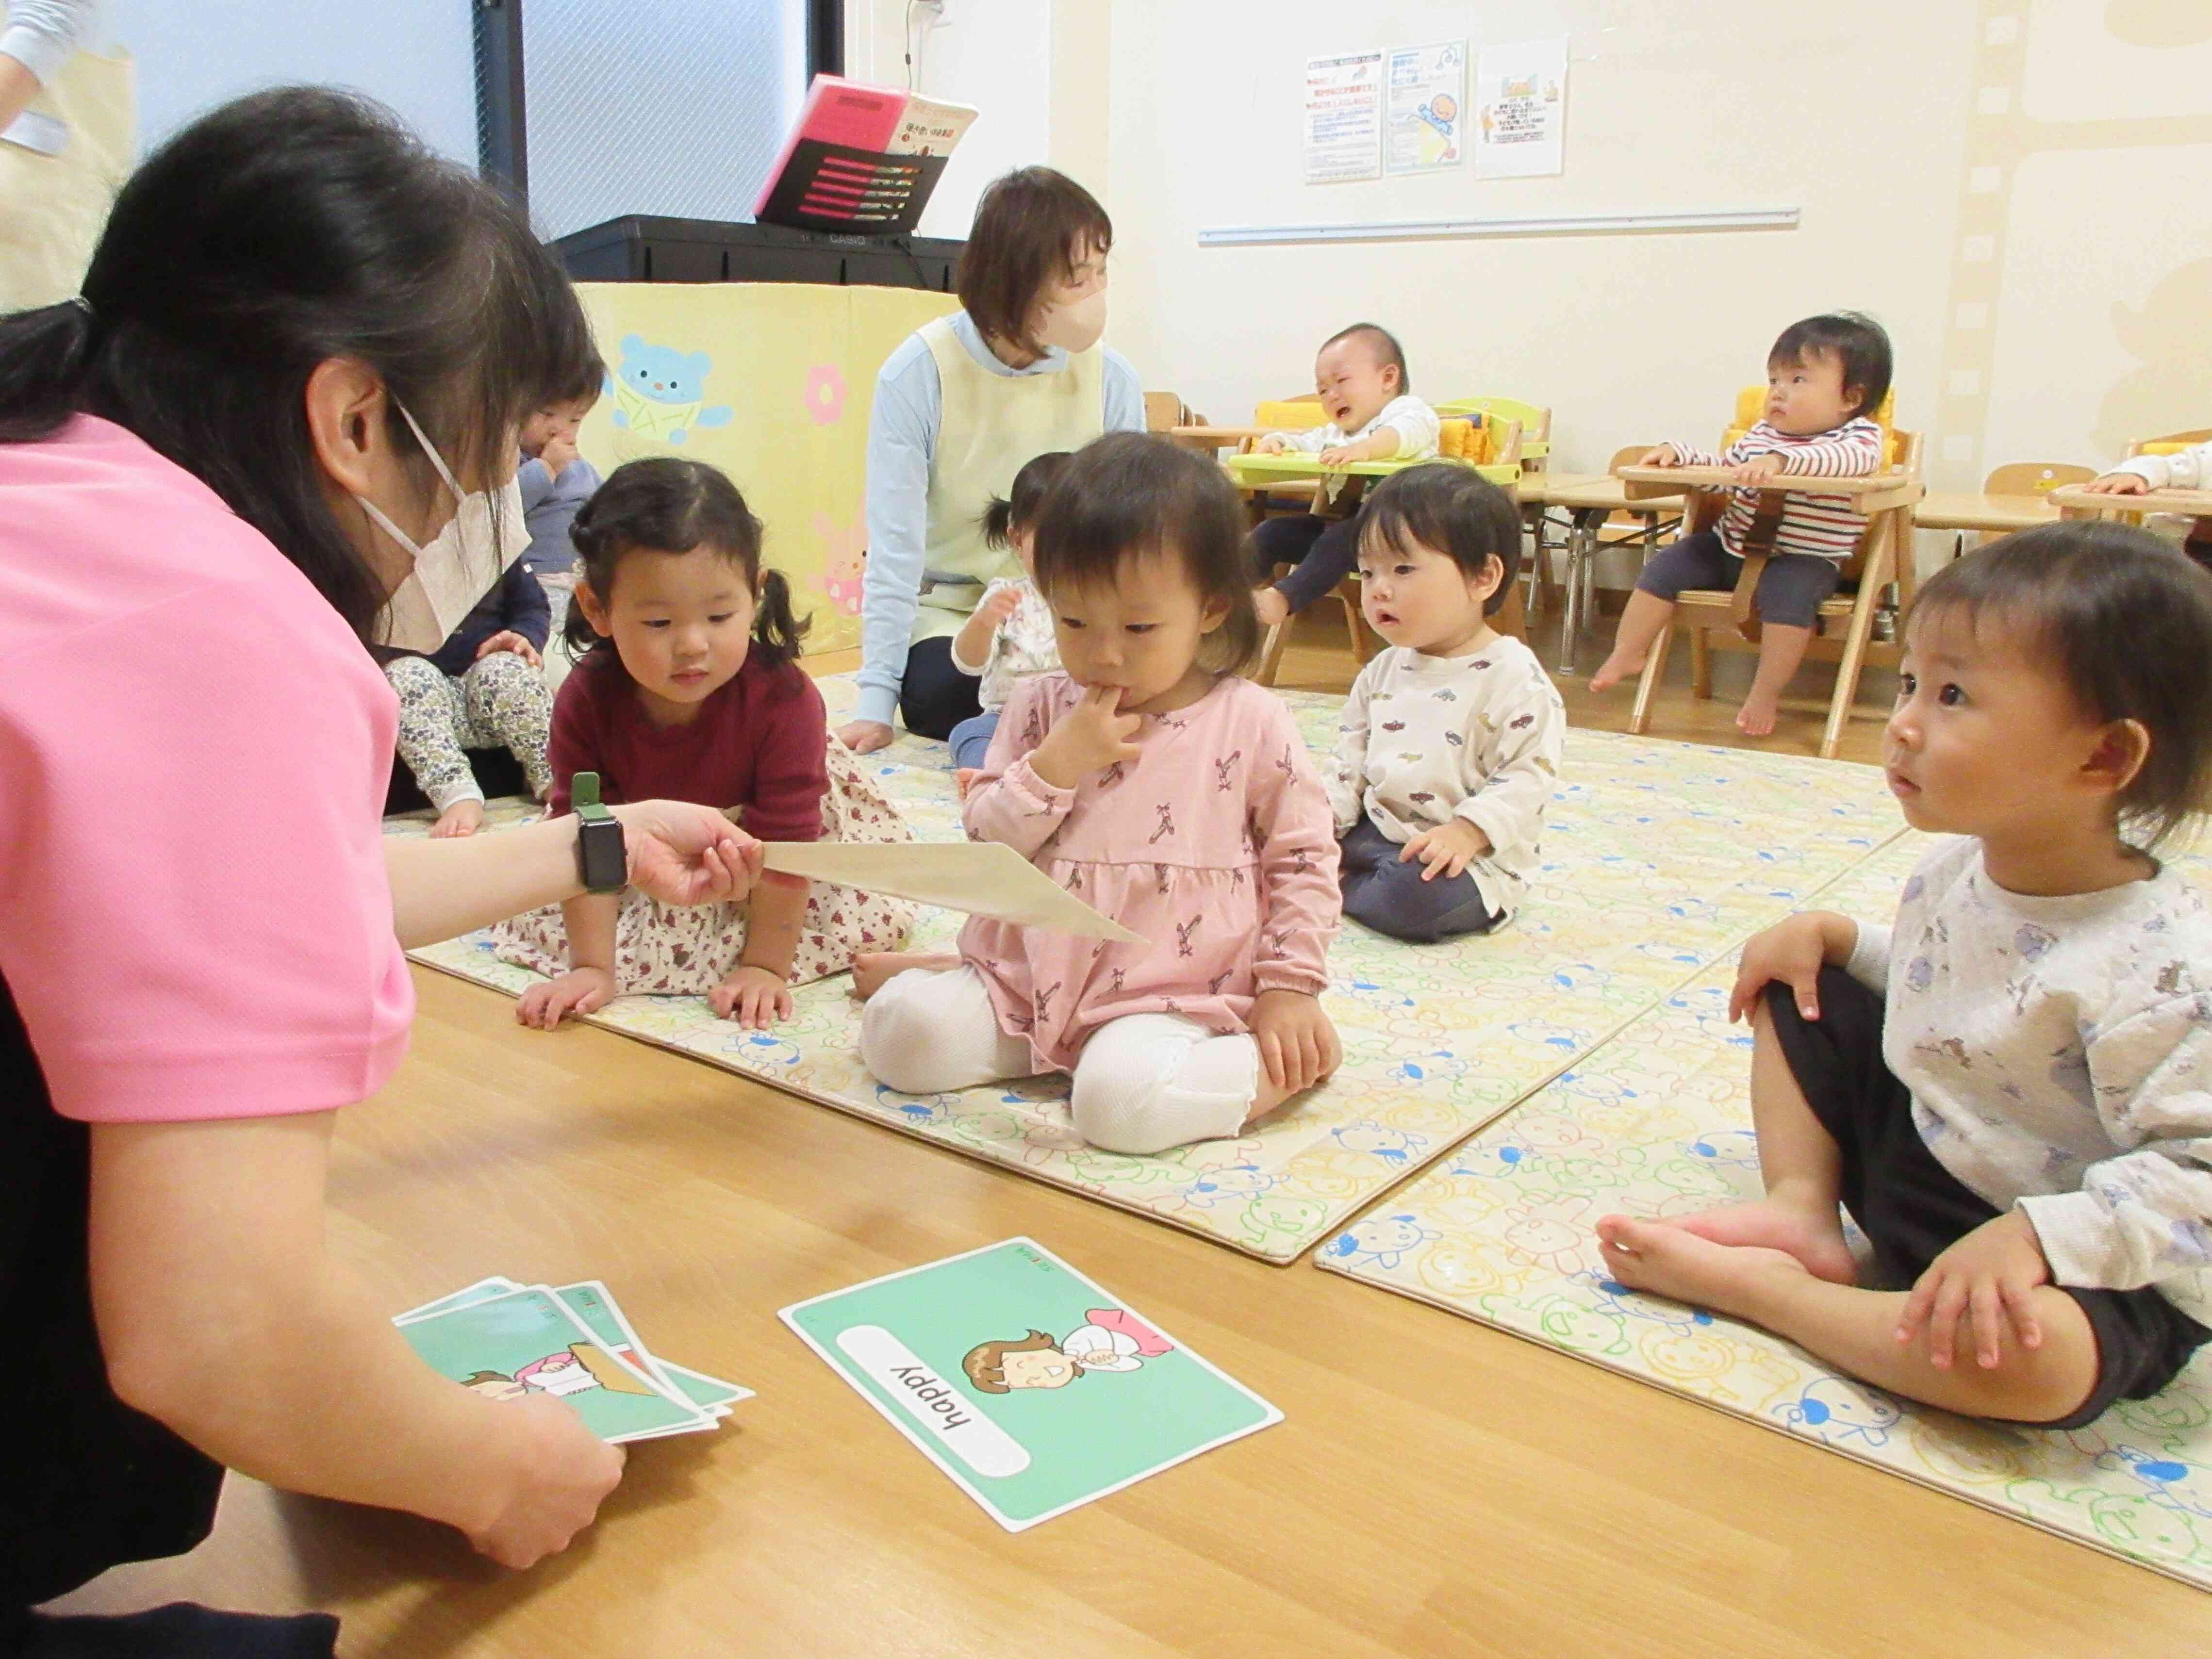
x: 1143, y: 1084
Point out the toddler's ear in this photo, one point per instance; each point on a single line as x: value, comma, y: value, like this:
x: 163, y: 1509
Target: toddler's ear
x: 2122, y: 747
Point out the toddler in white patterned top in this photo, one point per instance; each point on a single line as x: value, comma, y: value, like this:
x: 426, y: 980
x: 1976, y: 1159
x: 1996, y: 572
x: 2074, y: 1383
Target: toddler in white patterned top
x: 2011, y: 1088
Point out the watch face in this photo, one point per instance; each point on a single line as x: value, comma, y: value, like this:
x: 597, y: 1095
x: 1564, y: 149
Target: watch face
x: 601, y: 863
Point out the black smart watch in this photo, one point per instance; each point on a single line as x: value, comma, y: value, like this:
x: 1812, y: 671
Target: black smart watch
x: 602, y: 860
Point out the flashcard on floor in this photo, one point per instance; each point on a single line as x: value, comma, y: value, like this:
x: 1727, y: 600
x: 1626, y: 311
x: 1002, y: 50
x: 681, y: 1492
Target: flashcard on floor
x: 1036, y: 1390
x: 527, y: 1340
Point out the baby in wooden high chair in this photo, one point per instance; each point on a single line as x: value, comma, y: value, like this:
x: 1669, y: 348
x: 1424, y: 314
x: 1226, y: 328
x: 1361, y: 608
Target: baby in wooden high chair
x: 1367, y: 392
x: 1824, y: 378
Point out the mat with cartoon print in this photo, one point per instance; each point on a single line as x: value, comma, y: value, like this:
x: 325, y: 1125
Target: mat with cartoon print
x: 1658, y: 858
x: 1657, y: 1121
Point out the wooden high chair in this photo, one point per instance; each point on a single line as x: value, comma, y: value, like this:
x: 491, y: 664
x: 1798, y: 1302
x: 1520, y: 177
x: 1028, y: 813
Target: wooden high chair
x: 1164, y: 412
x: 1491, y: 442
x: 1728, y: 620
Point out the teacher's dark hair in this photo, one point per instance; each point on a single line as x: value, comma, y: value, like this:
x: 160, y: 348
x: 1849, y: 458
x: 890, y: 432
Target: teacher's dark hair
x: 272, y: 234
x: 1031, y: 228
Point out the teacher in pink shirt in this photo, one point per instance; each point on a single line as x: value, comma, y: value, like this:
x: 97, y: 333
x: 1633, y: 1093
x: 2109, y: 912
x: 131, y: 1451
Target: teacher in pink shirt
x: 278, y: 426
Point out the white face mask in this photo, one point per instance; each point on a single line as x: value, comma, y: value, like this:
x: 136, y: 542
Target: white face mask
x: 460, y: 565
x: 1077, y: 325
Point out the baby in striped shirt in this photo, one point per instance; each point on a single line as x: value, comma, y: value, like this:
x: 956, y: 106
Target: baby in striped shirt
x: 1822, y: 377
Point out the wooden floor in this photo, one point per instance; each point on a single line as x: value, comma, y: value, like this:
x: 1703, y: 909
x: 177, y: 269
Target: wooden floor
x: 1437, y: 1488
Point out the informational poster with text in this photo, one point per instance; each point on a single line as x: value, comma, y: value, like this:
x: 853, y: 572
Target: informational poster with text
x: 1344, y: 117
x: 1425, y: 123
x: 1521, y: 109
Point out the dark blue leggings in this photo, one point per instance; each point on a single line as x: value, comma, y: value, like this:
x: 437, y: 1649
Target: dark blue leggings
x: 1392, y: 899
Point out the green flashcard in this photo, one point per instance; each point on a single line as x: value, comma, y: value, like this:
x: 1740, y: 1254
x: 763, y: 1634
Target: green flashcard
x: 1032, y: 1388
x: 527, y: 1342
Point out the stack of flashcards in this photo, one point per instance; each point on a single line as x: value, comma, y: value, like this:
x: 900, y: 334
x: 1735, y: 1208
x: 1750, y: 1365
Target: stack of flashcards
x: 507, y: 1340
x: 1030, y: 1386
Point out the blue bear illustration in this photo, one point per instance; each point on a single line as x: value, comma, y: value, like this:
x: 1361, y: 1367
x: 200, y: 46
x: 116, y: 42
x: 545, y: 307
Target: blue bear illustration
x: 661, y: 392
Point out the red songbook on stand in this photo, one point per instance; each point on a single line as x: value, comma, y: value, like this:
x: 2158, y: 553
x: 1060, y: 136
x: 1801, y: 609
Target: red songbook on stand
x: 861, y: 160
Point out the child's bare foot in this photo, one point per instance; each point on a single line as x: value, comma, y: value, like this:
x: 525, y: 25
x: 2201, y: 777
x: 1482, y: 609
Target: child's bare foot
x: 462, y: 817
x: 1819, y: 1250
x: 1615, y: 668
x: 871, y: 970
x: 1757, y: 717
x: 1666, y: 1261
x: 965, y: 778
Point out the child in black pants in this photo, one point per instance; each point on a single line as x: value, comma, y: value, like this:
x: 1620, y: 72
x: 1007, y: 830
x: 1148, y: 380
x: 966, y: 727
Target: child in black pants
x: 2007, y: 1091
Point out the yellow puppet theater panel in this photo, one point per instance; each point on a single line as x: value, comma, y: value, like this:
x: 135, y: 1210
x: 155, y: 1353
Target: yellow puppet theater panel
x: 771, y: 382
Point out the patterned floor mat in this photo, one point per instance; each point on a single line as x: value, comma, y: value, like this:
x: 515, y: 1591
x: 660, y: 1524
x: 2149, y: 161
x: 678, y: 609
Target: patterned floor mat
x: 1659, y: 857
x: 1658, y: 1121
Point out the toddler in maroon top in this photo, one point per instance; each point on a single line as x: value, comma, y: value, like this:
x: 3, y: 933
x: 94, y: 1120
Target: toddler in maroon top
x: 688, y: 689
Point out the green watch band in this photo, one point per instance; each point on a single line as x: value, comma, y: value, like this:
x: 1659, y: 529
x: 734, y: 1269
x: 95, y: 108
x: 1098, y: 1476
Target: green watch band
x: 602, y: 857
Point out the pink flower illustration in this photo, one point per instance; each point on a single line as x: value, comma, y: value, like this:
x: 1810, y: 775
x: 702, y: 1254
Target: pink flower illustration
x: 845, y: 553
x: 825, y: 394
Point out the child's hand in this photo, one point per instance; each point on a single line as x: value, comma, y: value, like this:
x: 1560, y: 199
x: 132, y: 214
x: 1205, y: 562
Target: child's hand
x: 2119, y: 483
x: 1093, y: 737
x: 756, y: 998
x: 1665, y: 455
x: 1274, y: 444
x: 865, y: 737
x: 1001, y: 605
x: 1759, y: 468
x: 1447, y: 850
x: 1272, y: 606
x: 1341, y: 455
x: 560, y: 450
x: 1985, y: 1278
x: 508, y: 639
x: 1793, y: 951
x: 580, y: 990
x: 1299, y: 1046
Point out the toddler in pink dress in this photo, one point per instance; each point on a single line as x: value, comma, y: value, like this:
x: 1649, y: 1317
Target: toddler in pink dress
x: 1163, y: 791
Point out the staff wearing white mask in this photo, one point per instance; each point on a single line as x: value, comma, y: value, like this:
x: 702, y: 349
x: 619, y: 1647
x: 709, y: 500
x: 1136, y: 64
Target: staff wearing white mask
x: 279, y: 425
x: 963, y: 405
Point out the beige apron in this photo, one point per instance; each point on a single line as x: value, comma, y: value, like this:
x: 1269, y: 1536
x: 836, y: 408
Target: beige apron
x: 993, y: 426
x: 52, y: 207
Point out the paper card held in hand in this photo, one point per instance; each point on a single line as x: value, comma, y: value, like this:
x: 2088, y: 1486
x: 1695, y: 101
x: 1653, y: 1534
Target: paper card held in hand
x: 981, y: 878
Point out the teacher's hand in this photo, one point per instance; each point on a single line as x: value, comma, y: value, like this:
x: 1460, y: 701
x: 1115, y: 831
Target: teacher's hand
x: 683, y: 854
x: 865, y: 737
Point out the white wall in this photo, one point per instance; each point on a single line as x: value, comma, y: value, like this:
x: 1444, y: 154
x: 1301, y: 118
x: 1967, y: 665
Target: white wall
x: 415, y: 55
x: 994, y: 54
x: 1628, y: 337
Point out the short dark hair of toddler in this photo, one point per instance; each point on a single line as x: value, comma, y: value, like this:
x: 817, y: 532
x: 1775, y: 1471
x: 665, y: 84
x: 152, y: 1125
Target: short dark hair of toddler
x: 1452, y: 510
x: 1018, y: 508
x: 2126, y: 619
x: 1855, y: 340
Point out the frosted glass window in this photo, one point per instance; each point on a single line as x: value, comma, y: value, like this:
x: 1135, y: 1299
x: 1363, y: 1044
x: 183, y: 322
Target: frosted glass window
x: 661, y: 106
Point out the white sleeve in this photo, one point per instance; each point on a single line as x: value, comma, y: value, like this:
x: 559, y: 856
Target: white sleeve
x: 1508, y: 804
x: 41, y: 34
x: 1346, y: 776
x: 1312, y: 440
x: 1416, y: 425
x: 2145, y: 1214
x: 1869, y: 958
x: 2190, y: 470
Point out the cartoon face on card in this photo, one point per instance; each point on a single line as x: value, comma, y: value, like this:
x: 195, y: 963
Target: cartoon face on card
x: 510, y: 1346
